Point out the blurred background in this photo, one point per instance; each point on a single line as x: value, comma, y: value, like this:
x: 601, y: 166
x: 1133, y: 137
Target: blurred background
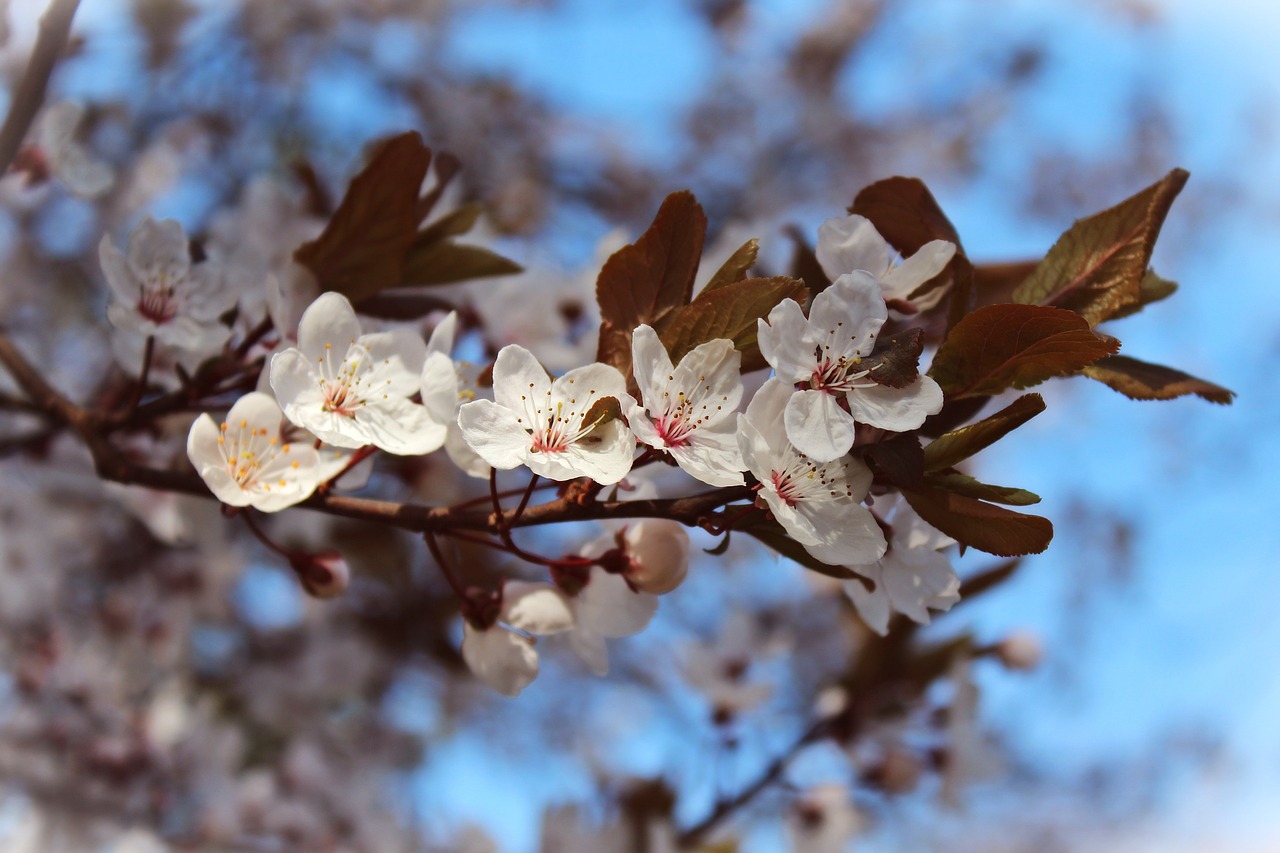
x: 166, y: 685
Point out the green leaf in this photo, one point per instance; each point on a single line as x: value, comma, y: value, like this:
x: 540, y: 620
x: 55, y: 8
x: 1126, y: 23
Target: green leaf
x: 1097, y: 267
x: 729, y: 312
x: 445, y: 262
x: 1015, y: 346
x: 773, y: 534
x: 981, y: 525
x: 735, y: 268
x: 959, y: 444
x: 963, y: 484
x: 1140, y: 380
x: 1153, y: 289
x: 647, y: 280
x: 361, y: 250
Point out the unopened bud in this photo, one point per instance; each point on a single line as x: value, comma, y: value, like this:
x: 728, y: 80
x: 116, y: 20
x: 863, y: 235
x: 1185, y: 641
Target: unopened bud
x: 323, y: 575
x: 659, y: 551
x: 1021, y: 650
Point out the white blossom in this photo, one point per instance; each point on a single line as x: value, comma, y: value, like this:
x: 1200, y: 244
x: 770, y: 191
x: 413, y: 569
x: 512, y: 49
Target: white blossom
x: 911, y: 578
x: 245, y: 462
x: 541, y: 423
x: 690, y: 410
x: 849, y: 243
x: 69, y: 161
x: 352, y: 389
x: 819, y: 503
x: 157, y: 292
x: 502, y: 654
x: 605, y: 605
x: 823, y: 820
x: 823, y: 354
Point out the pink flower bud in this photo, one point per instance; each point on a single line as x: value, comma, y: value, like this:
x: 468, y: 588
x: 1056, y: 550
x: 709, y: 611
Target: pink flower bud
x: 323, y: 575
x: 1021, y: 650
x: 659, y: 552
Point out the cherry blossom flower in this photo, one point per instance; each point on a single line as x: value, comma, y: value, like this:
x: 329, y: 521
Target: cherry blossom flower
x: 352, y: 389
x: 541, y: 423
x: 823, y: 354
x: 157, y: 292
x: 497, y: 640
x: 824, y: 820
x: 69, y: 161
x: 690, y: 410
x: 910, y: 578
x: 849, y: 243
x: 721, y: 669
x: 604, y: 605
x: 819, y: 503
x: 244, y: 461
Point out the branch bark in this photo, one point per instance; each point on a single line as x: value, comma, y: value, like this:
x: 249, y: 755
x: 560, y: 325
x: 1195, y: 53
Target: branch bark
x: 55, y: 25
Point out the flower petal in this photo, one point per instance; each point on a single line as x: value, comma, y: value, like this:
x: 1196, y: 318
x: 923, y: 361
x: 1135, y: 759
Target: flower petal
x: 520, y: 384
x: 328, y: 328
x: 896, y: 409
x: 398, y: 426
x: 847, y: 316
x: 609, y: 606
x: 605, y: 454
x: 872, y: 604
x: 159, y: 249
x: 849, y: 243
x: 443, y: 334
x: 914, y: 271
x: 787, y: 343
x: 494, y: 433
x: 396, y: 364
x: 538, y: 608
x: 712, y: 456
x: 124, y: 285
x: 590, y: 646
x: 817, y: 426
x: 439, y: 385
x: 651, y: 366
x: 501, y: 659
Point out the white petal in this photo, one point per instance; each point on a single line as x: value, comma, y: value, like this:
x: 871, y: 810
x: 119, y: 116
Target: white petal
x: 210, y: 292
x: 397, y: 360
x: 202, y: 443
x: 847, y: 316
x: 787, y: 343
x: 519, y: 383
x: 610, y: 607
x: 124, y: 285
x: 847, y: 533
x: 896, y: 409
x: 712, y: 456
x: 442, y: 335
x: 605, y: 454
x: 710, y: 377
x: 926, y: 580
x: 581, y: 387
x: 873, y: 605
x: 295, y: 383
x: 439, y: 386
x: 817, y: 426
x: 651, y: 365
x: 501, y: 659
x: 851, y: 243
x: 398, y: 426
x: 330, y: 320
x: 159, y: 248
x: 917, y: 269
x: 538, y: 608
x: 461, y: 454
x: 765, y: 413
x: 494, y: 433
x: 256, y: 409
x: 643, y: 427
x: 590, y: 646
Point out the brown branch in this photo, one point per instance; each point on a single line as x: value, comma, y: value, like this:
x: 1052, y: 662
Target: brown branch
x: 41, y: 394
x: 55, y: 25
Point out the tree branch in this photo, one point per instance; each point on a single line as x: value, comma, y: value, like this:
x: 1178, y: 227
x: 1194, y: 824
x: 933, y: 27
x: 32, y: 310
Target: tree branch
x: 55, y: 25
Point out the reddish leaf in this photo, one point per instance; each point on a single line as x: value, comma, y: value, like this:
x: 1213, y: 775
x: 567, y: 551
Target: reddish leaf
x: 726, y: 312
x: 963, y: 484
x: 445, y: 262
x: 980, y: 525
x: 954, y: 447
x: 1140, y: 380
x: 989, y: 579
x: 1015, y: 346
x: 1096, y: 268
x: 804, y: 263
x: 1153, y: 289
x: 361, y: 250
x: 735, y: 268
x: 602, y: 411
x: 645, y: 281
x: 994, y: 284
x: 896, y: 360
x: 899, y: 460
x: 402, y: 306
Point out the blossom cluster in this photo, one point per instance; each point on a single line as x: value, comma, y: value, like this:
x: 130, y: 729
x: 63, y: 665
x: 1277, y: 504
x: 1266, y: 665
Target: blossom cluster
x: 344, y: 389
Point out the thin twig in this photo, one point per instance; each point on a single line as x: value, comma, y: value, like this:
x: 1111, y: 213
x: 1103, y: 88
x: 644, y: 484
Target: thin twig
x: 438, y: 555
x: 148, y: 355
x: 55, y: 25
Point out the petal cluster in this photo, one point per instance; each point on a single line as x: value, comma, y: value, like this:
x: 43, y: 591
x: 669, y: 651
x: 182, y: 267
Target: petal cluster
x: 352, y: 389
x: 245, y: 461
x: 502, y: 654
x: 850, y: 243
x: 544, y: 424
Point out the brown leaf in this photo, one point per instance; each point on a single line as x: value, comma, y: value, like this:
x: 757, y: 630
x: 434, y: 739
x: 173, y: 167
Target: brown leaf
x: 727, y: 312
x: 949, y: 450
x: 1015, y: 346
x: 645, y: 281
x: 1153, y: 289
x: 452, y: 224
x: 361, y: 250
x: 445, y: 262
x: 899, y: 460
x: 963, y: 484
x: 804, y: 263
x: 895, y: 362
x: 989, y: 579
x: 1141, y: 380
x: 735, y: 268
x: 602, y: 411
x: 994, y: 284
x: 1096, y: 268
x: 980, y: 525
x: 402, y: 306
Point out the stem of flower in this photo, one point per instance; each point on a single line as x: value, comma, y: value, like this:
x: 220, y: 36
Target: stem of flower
x: 524, y: 500
x: 148, y: 354
x: 262, y: 537
x: 256, y: 334
x: 445, y: 570
x: 356, y: 458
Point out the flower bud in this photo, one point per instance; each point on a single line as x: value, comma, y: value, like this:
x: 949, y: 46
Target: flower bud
x: 323, y: 575
x: 1021, y: 650
x: 659, y: 551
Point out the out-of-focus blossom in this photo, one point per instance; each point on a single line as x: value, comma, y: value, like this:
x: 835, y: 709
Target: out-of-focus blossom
x: 823, y: 820
x: 498, y: 645
x: 604, y: 605
x: 68, y: 160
